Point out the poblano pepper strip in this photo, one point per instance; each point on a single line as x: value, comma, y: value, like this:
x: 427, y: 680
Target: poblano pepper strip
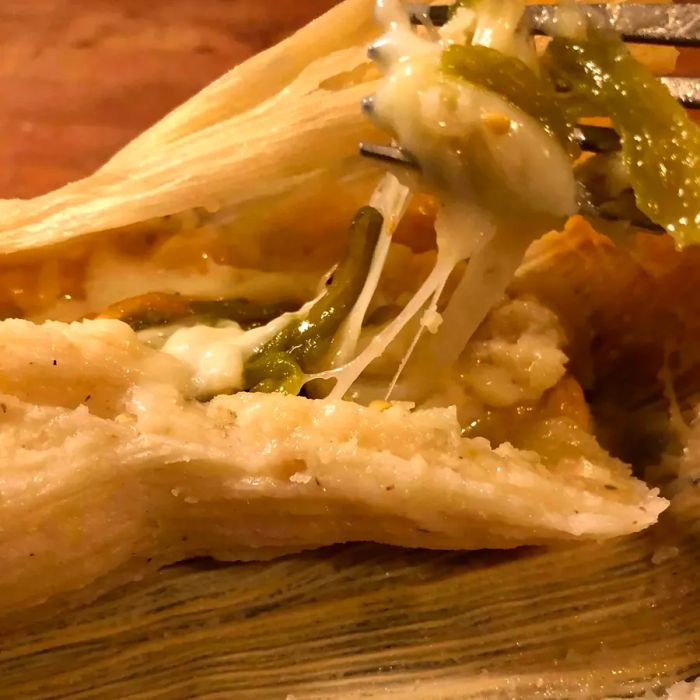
x: 163, y: 308
x: 660, y: 143
x: 280, y: 364
x: 274, y: 371
x: 513, y: 80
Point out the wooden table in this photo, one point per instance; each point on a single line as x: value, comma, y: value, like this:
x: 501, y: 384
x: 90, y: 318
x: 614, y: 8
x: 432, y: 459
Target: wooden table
x: 80, y: 78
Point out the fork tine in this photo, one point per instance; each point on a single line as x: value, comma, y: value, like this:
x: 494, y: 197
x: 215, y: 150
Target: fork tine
x: 676, y: 24
x: 437, y: 14
x: 401, y: 158
x: 596, y: 139
x: 388, y: 154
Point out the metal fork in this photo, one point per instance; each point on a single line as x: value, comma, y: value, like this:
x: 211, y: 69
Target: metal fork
x: 677, y: 25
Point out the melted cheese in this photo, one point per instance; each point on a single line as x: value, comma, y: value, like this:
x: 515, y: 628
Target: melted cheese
x: 216, y: 355
x: 390, y: 198
x: 489, y: 164
x: 495, y: 170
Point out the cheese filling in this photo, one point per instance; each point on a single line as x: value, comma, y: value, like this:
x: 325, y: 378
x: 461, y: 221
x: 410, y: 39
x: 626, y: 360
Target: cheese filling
x: 500, y: 181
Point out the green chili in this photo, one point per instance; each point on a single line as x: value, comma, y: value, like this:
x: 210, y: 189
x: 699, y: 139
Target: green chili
x: 660, y: 143
x: 159, y: 309
x: 299, y: 347
x: 274, y: 371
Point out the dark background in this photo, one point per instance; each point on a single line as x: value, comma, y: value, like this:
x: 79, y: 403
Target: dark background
x: 80, y: 78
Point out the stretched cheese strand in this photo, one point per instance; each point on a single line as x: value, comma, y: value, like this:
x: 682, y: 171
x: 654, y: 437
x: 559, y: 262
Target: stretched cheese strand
x: 345, y: 376
x: 430, y: 312
x: 390, y: 199
x: 481, y: 175
x: 484, y: 282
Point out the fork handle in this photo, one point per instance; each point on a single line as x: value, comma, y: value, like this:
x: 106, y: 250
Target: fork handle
x: 677, y: 24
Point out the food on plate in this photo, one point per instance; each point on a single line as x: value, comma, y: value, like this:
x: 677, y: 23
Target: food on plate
x: 240, y: 339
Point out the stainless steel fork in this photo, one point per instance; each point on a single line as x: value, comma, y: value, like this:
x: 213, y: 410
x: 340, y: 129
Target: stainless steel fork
x: 667, y: 24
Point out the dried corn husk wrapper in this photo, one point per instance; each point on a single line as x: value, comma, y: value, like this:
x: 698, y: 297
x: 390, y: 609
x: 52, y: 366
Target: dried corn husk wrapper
x: 585, y: 620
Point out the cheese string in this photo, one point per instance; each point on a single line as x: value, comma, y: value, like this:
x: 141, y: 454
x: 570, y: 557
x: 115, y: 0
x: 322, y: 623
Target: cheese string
x: 444, y: 123
x: 390, y: 198
x: 345, y: 376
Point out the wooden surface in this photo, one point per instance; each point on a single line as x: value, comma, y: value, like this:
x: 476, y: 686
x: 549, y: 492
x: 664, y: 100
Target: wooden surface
x: 586, y: 622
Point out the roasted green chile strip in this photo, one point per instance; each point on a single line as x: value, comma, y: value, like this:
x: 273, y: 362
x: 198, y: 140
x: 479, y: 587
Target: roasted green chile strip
x: 516, y: 82
x: 159, y: 309
x: 281, y: 363
x: 660, y: 143
x: 248, y: 314
x: 274, y: 371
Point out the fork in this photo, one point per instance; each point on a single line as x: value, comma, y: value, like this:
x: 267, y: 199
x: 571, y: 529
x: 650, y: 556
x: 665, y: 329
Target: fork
x: 676, y: 25
x: 641, y: 23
